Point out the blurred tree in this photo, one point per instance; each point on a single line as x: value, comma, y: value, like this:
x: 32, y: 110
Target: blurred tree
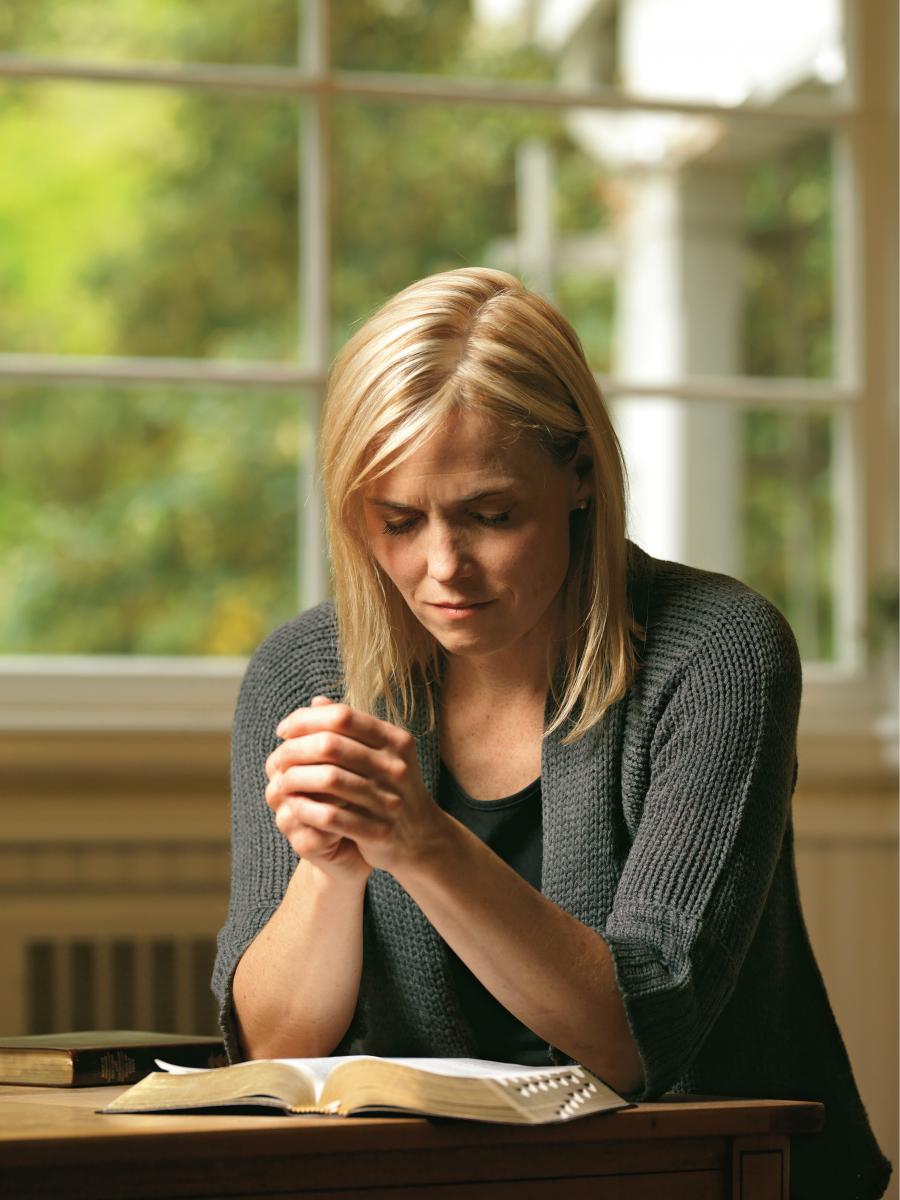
x: 787, y: 502
x: 146, y: 520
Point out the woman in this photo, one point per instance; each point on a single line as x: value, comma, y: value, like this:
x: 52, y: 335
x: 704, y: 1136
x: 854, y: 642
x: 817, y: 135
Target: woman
x: 538, y: 783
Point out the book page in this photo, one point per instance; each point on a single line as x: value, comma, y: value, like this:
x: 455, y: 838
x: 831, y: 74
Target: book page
x: 260, y: 1083
x: 471, y: 1068
x: 318, y: 1069
x: 314, y: 1080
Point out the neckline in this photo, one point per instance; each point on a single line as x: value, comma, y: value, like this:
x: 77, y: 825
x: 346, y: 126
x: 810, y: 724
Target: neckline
x: 518, y: 797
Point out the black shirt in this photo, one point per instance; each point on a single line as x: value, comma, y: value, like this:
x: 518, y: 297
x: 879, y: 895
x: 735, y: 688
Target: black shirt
x: 513, y: 829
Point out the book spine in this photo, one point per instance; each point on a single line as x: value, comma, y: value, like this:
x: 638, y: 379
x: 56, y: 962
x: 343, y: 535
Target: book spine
x: 94, y: 1068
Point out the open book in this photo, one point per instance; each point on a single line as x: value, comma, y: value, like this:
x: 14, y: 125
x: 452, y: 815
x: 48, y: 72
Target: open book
x: 472, y: 1089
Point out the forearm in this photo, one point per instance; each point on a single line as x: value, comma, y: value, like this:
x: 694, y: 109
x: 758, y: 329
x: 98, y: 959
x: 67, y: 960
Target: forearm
x: 542, y: 964
x: 296, y: 985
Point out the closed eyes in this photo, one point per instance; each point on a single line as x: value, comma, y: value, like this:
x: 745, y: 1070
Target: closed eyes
x: 397, y: 528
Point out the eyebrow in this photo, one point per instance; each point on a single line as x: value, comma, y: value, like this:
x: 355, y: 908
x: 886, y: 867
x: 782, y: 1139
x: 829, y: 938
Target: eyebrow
x: 486, y: 494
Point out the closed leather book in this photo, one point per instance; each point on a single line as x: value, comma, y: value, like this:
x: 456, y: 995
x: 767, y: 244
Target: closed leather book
x: 96, y: 1057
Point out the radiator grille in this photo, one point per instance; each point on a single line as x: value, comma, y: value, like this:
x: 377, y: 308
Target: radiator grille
x: 159, y: 984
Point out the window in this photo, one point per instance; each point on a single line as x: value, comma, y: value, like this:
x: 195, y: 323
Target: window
x: 209, y: 197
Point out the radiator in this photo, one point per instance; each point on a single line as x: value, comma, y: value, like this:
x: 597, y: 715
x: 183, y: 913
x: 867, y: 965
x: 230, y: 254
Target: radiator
x: 110, y: 934
x: 85, y: 983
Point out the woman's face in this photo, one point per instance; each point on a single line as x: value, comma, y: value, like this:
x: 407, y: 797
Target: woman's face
x: 474, y: 535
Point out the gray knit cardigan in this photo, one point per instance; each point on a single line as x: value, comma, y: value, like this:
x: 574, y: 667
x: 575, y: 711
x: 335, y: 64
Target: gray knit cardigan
x: 666, y: 829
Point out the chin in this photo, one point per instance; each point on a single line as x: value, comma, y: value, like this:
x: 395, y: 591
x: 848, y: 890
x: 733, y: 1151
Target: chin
x: 462, y: 642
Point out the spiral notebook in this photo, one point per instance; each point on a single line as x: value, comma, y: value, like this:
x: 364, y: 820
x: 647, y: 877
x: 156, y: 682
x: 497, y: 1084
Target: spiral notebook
x: 358, y: 1085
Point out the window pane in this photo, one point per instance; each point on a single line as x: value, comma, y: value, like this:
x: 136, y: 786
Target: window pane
x: 146, y: 520
x: 787, y: 511
x: 677, y: 245
x: 144, y: 221
x: 692, y: 50
x: 220, y: 31
x: 748, y: 493
x: 787, y: 264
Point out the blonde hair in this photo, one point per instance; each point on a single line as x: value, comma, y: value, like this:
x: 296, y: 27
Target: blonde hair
x: 471, y: 340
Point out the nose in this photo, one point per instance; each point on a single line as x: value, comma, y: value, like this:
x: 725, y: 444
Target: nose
x: 447, y: 557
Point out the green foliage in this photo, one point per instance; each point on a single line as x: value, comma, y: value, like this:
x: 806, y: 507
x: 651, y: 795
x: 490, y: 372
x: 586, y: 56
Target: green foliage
x: 146, y: 521
x: 788, y: 520
x: 76, y: 200
x: 439, y: 184
x: 403, y: 35
x: 883, y: 624
x: 590, y: 304
x: 214, y: 272
x: 226, y: 31
x: 788, y: 310
x: 787, y: 485
x: 426, y: 38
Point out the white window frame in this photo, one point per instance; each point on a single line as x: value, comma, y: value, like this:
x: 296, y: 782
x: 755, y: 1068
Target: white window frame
x: 844, y: 720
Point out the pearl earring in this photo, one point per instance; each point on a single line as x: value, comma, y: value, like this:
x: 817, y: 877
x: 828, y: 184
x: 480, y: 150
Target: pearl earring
x: 582, y: 504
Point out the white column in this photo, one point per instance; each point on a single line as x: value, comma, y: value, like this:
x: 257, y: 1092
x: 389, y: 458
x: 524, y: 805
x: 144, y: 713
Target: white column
x: 712, y: 199
x: 678, y: 313
x: 649, y: 345
x: 535, y: 241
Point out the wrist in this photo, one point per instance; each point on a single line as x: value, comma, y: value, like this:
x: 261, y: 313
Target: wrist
x: 434, y: 853
x: 314, y: 880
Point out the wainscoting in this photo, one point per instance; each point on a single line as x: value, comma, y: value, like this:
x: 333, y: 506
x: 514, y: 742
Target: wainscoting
x: 114, y: 881
x: 847, y: 867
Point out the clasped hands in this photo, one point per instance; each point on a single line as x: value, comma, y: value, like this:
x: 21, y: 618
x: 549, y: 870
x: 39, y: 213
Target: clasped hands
x: 347, y: 792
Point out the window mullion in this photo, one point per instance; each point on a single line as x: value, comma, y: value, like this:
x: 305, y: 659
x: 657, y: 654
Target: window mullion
x: 406, y: 88
x: 315, y: 241
x: 75, y: 368
x: 740, y: 390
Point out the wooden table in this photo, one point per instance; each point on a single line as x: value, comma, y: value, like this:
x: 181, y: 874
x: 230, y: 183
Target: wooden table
x: 53, y: 1144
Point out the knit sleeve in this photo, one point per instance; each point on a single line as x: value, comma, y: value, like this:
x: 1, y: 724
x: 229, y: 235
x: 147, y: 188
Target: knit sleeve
x: 722, y: 768
x: 278, y: 680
